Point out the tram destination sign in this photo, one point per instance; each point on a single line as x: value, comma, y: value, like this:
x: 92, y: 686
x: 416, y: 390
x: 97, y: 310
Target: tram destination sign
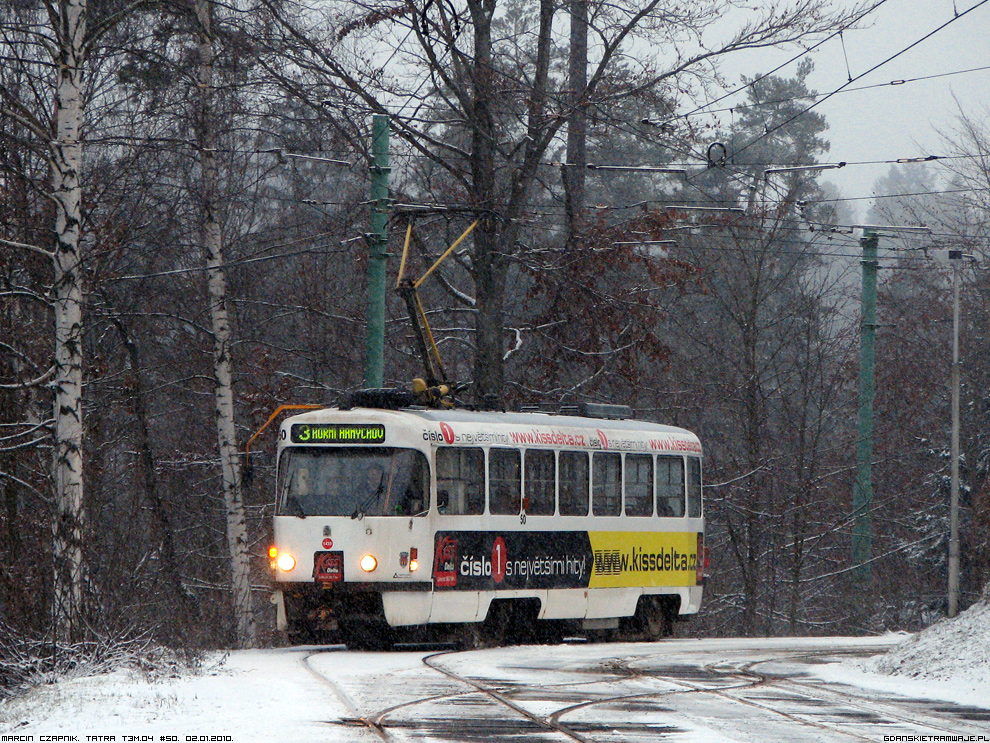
x: 337, y: 433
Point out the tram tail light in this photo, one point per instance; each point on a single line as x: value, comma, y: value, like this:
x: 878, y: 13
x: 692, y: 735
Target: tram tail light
x: 701, y: 561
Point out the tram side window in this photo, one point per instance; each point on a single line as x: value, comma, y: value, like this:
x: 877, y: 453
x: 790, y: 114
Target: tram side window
x: 606, y: 484
x: 540, y: 482
x: 694, y: 487
x: 460, y: 481
x: 573, y: 483
x: 639, y: 484
x: 504, y: 480
x: 670, y: 487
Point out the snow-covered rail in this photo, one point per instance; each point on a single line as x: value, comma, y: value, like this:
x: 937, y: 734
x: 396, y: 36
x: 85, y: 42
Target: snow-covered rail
x: 923, y: 716
x: 719, y: 691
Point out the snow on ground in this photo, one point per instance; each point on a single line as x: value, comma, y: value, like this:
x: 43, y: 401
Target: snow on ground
x: 949, y: 661
x: 269, y: 695
x: 248, y: 695
x: 956, y: 648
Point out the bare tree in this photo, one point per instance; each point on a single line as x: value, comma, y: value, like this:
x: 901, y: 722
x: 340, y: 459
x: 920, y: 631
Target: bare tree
x: 485, y: 104
x: 212, y: 240
x: 50, y: 46
x: 763, y: 351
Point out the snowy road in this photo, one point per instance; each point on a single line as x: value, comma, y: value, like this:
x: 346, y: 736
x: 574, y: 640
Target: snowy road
x: 688, y: 691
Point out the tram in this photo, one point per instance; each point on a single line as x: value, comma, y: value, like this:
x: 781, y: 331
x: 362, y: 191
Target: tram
x: 514, y: 525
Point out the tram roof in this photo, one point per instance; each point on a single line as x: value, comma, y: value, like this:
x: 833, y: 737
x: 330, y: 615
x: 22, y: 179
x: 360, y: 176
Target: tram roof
x: 528, y: 418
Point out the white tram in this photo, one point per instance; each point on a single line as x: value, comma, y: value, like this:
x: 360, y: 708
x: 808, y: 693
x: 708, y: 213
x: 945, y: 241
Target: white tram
x: 413, y: 517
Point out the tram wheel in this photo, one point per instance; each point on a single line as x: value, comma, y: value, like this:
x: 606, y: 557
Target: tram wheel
x: 515, y: 622
x: 654, y: 617
x: 301, y: 626
x: 602, y: 635
x: 368, y: 635
x: 498, y: 626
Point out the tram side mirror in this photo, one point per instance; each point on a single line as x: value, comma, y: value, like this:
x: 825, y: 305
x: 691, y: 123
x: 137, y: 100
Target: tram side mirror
x: 443, y: 501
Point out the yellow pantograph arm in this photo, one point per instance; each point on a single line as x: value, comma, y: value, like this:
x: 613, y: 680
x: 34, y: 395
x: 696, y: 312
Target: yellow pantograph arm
x: 446, y: 253
x: 405, y: 253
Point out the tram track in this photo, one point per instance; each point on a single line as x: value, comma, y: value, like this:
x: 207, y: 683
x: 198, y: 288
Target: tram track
x: 747, y: 681
x: 355, y: 719
x: 891, y: 710
x: 940, y: 724
x: 544, y: 722
x: 383, y: 727
x: 758, y: 680
x: 554, y: 722
x: 840, y: 715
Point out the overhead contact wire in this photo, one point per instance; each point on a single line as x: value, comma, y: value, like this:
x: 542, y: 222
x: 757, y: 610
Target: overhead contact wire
x: 861, y: 75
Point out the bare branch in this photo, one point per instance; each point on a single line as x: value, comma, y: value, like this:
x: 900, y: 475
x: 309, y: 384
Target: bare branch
x: 25, y: 246
x: 36, y: 382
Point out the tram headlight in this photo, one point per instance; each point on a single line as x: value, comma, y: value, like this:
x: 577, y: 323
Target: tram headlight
x: 413, y: 559
x: 286, y: 562
x: 368, y: 563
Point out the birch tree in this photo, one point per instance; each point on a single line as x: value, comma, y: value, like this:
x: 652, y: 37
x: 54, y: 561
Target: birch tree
x: 54, y: 50
x: 51, y: 44
x: 70, y: 25
x: 212, y: 242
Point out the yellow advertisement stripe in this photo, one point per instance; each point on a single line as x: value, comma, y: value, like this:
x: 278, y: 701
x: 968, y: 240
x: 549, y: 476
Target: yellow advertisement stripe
x: 628, y: 558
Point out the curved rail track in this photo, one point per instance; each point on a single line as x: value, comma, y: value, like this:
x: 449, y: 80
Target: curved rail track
x: 651, y: 693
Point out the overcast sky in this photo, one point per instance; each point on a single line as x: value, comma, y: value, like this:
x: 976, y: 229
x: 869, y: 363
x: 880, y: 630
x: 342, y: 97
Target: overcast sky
x: 891, y: 122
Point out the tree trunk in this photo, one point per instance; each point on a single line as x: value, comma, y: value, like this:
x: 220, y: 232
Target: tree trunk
x: 68, y: 296
x: 146, y: 463
x: 230, y: 464
x: 577, y: 119
x: 754, y: 485
x: 489, y: 274
x: 495, y: 241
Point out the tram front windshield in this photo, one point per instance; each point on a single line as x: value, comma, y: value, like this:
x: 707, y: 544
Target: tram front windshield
x: 355, y: 482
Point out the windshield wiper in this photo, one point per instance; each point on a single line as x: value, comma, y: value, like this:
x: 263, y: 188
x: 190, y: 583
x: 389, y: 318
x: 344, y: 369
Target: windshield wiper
x: 295, y: 508
x: 359, y: 511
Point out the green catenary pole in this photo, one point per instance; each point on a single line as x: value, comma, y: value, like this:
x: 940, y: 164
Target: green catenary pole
x: 862, y: 538
x: 377, y: 243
